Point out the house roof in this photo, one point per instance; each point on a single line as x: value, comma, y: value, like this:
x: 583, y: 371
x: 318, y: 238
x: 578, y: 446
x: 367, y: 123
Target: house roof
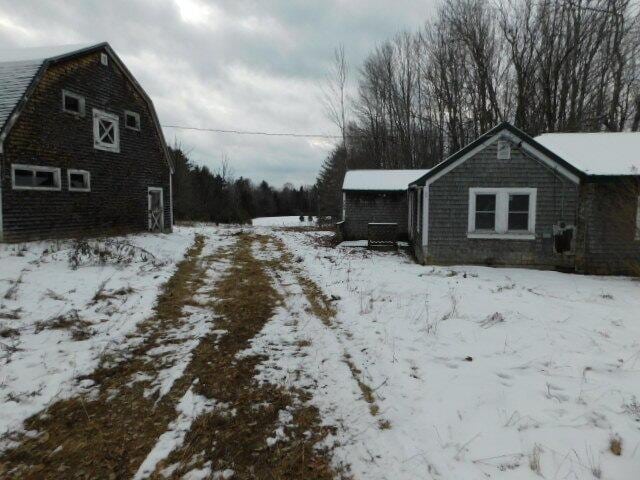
x: 610, y: 154
x: 381, y: 180
x: 22, y: 68
x: 514, y: 132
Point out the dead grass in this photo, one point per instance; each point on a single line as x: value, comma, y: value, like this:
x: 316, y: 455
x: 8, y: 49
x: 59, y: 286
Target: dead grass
x: 80, y: 329
x: 247, y: 300
x: 110, y: 435
x: 615, y: 445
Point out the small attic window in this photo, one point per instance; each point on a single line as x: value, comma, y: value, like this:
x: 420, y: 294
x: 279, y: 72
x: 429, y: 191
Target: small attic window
x: 504, y: 150
x: 132, y: 120
x: 72, y: 103
x: 104, y: 59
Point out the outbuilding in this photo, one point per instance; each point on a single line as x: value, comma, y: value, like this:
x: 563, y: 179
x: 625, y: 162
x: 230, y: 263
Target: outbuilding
x: 81, y: 148
x: 565, y: 201
x: 376, y: 196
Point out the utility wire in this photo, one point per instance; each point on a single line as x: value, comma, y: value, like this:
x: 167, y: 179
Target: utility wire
x: 267, y: 134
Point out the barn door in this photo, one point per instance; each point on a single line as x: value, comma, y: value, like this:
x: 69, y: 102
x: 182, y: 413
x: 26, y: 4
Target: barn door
x: 156, y: 209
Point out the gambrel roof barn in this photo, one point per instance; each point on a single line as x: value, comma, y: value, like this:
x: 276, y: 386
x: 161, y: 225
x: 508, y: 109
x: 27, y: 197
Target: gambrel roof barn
x: 81, y: 147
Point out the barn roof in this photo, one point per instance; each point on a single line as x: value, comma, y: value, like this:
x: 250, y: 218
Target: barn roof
x: 21, y: 69
x: 381, y: 180
x: 609, y: 154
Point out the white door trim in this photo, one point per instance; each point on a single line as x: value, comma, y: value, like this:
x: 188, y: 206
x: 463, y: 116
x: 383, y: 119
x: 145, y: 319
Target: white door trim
x: 155, y: 189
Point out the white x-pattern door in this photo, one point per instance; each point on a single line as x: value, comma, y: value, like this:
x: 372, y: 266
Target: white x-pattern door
x: 156, y: 209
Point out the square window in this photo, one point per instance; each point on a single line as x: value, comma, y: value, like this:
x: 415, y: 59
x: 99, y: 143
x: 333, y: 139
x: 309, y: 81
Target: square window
x: 132, y: 120
x: 485, y: 212
x: 72, y: 103
x: 22, y: 178
x: 106, y: 135
x: 79, y: 180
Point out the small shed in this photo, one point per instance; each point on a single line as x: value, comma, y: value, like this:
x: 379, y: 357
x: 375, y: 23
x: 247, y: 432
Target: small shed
x: 376, y: 196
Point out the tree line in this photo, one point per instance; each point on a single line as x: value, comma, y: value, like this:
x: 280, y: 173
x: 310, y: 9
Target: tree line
x: 202, y: 194
x: 543, y: 65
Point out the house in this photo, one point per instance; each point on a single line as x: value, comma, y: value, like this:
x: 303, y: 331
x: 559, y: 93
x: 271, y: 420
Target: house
x: 375, y: 196
x: 81, y: 148
x: 565, y: 201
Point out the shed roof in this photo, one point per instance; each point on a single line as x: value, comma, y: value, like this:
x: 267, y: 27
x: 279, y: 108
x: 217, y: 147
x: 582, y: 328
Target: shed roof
x: 381, y: 180
x: 608, y: 154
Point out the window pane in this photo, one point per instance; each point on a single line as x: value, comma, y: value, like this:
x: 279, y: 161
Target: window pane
x: 45, y: 179
x: 71, y: 104
x: 77, y: 180
x: 486, y: 203
x: 24, y: 178
x: 132, y: 121
x: 485, y: 221
x: 519, y: 203
x: 518, y: 221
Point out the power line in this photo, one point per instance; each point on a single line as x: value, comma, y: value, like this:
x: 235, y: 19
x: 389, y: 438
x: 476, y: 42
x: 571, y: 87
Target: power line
x: 246, y: 132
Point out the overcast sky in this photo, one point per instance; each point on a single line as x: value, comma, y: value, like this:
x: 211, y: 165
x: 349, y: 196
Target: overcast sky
x: 238, y: 65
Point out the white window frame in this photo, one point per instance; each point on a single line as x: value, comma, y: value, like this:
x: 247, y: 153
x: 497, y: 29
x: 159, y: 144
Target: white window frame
x: 134, y: 115
x: 81, y: 102
x: 502, y: 214
x: 85, y: 174
x: 104, y: 59
x: 503, y: 150
x: 98, y: 144
x: 34, y: 169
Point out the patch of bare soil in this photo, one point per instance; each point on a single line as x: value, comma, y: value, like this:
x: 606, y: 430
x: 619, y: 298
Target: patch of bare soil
x: 109, y: 432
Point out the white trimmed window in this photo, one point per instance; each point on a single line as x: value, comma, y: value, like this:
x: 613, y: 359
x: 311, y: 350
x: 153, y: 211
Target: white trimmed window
x: 106, y: 133
x: 31, y: 177
x: 79, y: 180
x: 508, y: 213
x: 504, y: 150
x: 132, y: 120
x: 72, y: 103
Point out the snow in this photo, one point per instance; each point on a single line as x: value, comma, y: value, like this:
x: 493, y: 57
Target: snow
x: 190, y: 407
x: 39, y: 360
x: 381, y: 180
x: 597, y: 153
x: 291, y: 221
x: 481, y: 372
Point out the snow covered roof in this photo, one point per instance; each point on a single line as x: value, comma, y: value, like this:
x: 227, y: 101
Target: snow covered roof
x: 381, y: 180
x: 19, y: 66
x: 597, y: 153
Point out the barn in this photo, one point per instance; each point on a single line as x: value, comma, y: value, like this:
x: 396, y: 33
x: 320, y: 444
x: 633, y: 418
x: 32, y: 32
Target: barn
x: 376, y: 196
x: 568, y: 201
x: 81, y: 148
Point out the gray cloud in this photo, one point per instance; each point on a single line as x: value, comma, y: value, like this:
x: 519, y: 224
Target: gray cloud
x: 245, y: 65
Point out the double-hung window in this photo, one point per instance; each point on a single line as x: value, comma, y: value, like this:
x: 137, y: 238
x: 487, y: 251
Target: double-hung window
x: 502, y: 213
x: 32, y: 177
x: 106, y: 133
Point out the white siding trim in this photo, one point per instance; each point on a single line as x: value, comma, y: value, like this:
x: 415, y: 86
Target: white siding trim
x: 502, y: 214
x: 410, y: 213
x: 344, y: 206
x: 461, y: 160
x: 425, y: 218
x: 171, y: 198
x: 1, y: 220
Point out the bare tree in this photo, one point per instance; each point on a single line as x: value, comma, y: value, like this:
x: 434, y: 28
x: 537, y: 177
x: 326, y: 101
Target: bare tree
x: 334, y: 94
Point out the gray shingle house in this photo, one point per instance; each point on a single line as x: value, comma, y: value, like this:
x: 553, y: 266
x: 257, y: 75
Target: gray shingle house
x: 81, y: 148
x: 375, y: 196
x: 565, y: 201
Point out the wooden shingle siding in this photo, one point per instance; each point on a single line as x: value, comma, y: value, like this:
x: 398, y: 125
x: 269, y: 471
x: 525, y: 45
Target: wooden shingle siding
x: 44, y: 135
x: 362, y: 208
x: 608, y: 244
x: 557, y: 200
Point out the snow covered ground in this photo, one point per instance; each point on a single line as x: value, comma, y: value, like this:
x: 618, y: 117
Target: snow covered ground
x: 480, y: 372
x: 282, y: 222
x: 61, y: 307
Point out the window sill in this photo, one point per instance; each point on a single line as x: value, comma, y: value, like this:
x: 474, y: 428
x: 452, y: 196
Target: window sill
x: 502, y: 236
x: 40, y: 189
x: 107, y: 148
